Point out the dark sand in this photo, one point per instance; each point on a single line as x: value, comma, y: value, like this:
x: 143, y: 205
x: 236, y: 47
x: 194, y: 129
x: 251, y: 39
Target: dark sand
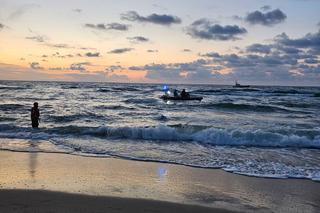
x: 56, y: 202
x: 43, y: 182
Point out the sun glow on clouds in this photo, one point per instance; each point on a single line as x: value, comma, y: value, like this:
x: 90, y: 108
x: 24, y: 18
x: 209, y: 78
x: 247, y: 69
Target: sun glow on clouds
x: 164, y: 44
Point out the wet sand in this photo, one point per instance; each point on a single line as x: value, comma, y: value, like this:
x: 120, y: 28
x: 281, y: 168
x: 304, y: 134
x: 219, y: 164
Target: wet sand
x: 47, y: 182
x: 56, y: 202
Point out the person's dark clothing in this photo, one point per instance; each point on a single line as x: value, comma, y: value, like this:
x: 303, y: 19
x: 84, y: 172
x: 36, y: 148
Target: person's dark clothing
x: 183, y: 94
x: 175, y: 93
x: 35, y: 114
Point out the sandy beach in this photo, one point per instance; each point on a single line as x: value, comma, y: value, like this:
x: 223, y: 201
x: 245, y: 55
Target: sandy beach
x: 46, y: 201
x: 47, y: 182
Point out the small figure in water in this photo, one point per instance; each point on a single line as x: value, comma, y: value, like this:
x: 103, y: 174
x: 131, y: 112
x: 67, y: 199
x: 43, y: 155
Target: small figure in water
x: 184, y: 94
x: 35, y: 115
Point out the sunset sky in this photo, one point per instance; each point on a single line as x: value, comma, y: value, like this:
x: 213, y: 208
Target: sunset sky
x: 274, y: 42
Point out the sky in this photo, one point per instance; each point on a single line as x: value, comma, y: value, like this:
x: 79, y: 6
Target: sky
x: 262, y: 42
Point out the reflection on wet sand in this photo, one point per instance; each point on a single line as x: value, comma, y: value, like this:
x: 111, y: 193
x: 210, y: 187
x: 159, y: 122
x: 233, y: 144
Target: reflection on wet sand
x: 157, y: 181
x: 33, y: 159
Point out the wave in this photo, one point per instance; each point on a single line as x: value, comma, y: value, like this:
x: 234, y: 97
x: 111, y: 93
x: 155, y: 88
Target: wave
x: 288, y: 91
x: 207, y: 91
x: 296, y: 105
x: 70, y: 87
x: 5, y: 119
x: 118, y: 89
x: 7, y: 87
x: 114, y: 107
x: 163, y: 133
x: 141, y: 101
x: 125, y: 89
x: 73, y: 117
x: 104, y: 90
x: 247, y: 107
x: 13, y: 107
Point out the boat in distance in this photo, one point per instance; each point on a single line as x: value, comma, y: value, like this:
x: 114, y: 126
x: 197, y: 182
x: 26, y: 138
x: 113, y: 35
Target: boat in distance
x: 237, y: 85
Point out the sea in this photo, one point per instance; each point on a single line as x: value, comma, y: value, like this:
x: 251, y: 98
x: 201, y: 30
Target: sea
x: 261, y: 131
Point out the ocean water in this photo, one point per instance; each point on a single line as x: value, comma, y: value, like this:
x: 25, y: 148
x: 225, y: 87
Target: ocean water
x: 257, y: 131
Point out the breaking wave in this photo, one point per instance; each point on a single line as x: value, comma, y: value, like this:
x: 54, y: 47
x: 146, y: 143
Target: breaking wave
x: 162, y: 133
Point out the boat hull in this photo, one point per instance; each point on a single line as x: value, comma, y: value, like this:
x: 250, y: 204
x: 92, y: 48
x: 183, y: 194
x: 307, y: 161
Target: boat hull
x: 192, y: 98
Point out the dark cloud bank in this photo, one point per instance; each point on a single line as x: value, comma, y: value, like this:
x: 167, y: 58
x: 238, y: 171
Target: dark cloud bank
x: 266, y: 18
x: 285, y: 60
x: 205, y: 29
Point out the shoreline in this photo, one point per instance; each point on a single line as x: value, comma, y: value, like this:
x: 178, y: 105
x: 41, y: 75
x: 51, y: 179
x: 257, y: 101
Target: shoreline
x: 157, y: 161
x: 165, y: 182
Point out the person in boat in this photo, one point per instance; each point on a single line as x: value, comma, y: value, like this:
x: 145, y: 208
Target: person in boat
x: 175, y: 93
x: 184, y: 94
x: 35, y: 115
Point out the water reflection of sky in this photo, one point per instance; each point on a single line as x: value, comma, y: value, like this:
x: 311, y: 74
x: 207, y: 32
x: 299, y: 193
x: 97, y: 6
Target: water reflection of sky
x: 162, y: 174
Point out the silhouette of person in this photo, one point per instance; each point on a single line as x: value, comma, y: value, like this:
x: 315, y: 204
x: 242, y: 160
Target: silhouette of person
x: 175, y: 93
x: 35, y: 115
x: 183, y: 94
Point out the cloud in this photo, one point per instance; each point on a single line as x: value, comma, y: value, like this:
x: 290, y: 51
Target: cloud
x: 205, y: 29
x: 259, y: 48
x: 236, y: 17
x: 311, y: 61
x: 267, y: 19
x: 90, y: 54
x: 1, y: 26
x: 37, y: 38
x: 60, y: 46
x: 15, y: 72
x: 120, y: 50
x: 281, y: 64
x: 35, y: 66
x: 309, y: 41
x: 196, y: 71
x: 287, y: 50
x: 77, y: 10
x: 266, y: 7
x: 58, y: 55
x: 112, y: 68
x: 138, y: 39
x: 211, y: 54
x: 56, y: 68
x: 153, y: 18
x: 22, y: 10
x: 98, y: 76
x: 110, y: 26
x: 152, y: 51
x: 44, y: 40
x: 79, y: 66
x: 186, y: 50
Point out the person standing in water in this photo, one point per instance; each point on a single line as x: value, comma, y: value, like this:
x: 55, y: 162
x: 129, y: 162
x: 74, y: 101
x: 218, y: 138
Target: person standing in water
x: 35, y: 115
